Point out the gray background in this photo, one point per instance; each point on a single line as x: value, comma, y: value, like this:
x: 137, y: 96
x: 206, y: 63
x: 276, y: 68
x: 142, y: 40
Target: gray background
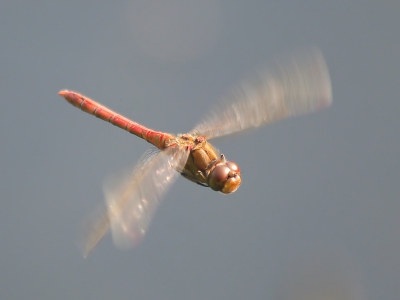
x: 318, y: 213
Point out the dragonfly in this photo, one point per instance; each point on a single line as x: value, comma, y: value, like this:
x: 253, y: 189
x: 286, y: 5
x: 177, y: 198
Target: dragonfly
x: 294, y: 85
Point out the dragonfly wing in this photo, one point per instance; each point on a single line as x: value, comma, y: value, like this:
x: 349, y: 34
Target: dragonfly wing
x: 132, y: 200
x: 131, y: 207
x: 296, y: 85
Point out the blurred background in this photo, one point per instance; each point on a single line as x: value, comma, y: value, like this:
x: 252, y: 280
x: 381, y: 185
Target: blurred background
x: 317, y: 215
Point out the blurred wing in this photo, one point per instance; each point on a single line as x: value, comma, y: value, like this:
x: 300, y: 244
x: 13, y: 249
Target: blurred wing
x: 132, y: 200
x: 296, y: 85
x: 132, y: 207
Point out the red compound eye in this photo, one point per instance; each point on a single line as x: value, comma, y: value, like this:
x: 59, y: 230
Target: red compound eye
x: 233, y: 166
x: 225, y: 178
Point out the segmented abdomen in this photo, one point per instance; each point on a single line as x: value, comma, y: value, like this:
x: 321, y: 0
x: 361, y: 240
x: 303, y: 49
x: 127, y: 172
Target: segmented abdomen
x: 158, y: 139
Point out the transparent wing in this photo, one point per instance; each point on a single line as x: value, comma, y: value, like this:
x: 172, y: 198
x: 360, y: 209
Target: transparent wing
x: 131, y: 207
x: 295, y: 85
x: 132, y: 200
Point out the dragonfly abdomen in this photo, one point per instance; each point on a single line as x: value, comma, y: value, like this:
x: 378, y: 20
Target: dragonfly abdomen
x: 158, y: 139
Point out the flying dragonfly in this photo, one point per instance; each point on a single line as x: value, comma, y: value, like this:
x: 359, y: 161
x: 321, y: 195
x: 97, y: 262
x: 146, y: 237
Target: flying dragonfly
x: 295, y: 85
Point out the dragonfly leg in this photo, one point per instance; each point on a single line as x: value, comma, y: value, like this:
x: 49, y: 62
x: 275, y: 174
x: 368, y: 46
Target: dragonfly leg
x: 201, y: 174
x: 215, y: 161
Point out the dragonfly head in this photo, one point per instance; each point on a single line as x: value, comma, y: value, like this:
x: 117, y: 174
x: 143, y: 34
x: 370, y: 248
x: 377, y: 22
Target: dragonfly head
x: 225, y: 177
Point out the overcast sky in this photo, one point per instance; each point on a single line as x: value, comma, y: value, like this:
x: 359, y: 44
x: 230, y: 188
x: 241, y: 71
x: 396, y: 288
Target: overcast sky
x: 318, y: 212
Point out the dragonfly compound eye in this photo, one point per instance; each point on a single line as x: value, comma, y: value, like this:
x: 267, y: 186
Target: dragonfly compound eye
x: 225, y: 178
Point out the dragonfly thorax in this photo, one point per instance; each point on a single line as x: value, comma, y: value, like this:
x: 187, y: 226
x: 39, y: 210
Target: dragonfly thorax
x: 207, y: 168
